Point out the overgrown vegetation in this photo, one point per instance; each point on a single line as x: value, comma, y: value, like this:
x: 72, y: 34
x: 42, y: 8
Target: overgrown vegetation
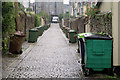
x: 99, y: 22
x: 29, y: 9
x: 41, y: 13
x: 8, y: 23
x: 21, y: 7
x: 60, y: 16
x: 37, y: 20
x: 91, y: 11
x: 45, y: 16
x: 67, y: 15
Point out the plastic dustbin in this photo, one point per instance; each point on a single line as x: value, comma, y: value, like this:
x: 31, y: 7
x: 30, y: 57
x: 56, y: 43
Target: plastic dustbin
x: 42, y: 27
x: 98, y: 52
x: 81, y: 47
x: 33, y: 35
x: 71, y: 36
x: 45, y: 27
x: 40, y: 30
x: 16, y: 43
x: 48, y: 25
x: 66, y: 31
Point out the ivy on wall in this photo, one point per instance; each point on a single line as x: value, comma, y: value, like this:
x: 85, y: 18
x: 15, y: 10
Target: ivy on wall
x: 8, y: 22
x: 45, y: 16
x: 37, y: 20
x: 8, y: 18
x: 99, y: 22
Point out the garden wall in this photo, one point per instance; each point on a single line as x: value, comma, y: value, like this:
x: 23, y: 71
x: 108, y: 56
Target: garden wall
x: 81, y: 24
x: 26, y: 22
x: 78, y: 25
x: 66, y: 22
x: 101, y: 23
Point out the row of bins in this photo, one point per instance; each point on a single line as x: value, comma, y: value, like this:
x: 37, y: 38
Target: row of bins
x: 71, y: 36
x: 33, y: 35
x: 96, y: 52
x: 69, y: 33
x: 35, y: 32
x: 17, y: 39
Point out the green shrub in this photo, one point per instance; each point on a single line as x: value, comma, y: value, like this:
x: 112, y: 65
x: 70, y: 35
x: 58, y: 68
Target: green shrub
x: 8, y: 22
x: 60, y: 16
x: 37, y: 20
x: 48, y: 17
x: 41, y: 14
x: 29, y: 9
x: 67, y: 15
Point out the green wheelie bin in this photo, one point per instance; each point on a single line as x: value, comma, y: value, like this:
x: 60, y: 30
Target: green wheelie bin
x: 33, y: 35
x: 66, y: 31
x: 71, y: 36
x: 98, y: 53
x: 40, y: 30
x: 45, y: 27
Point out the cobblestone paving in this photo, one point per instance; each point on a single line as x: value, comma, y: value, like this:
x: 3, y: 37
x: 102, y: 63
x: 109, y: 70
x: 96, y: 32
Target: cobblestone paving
x: 51, y: 57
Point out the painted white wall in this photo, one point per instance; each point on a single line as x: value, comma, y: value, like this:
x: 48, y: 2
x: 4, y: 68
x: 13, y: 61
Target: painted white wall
x: 116, y: 33
x: 105, y: 6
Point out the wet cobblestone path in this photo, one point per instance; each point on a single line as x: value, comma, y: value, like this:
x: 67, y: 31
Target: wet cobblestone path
x: 52, y: 56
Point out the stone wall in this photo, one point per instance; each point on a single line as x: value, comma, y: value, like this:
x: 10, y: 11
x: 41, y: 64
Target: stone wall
x: 81, y: 24
x: 26, y: 22
x: 30, y: 23
x: 78, y: 25
x: 74, y: 24
x: 66, y: 22
x: 102, y: 23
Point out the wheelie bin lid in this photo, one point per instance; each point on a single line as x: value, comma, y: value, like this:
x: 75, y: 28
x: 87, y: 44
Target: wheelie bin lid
x: 97, y: 36
x: 33, y: 30
x: 72, y: 31
x: 38, y: 27
x: 81, y: 35
x: 20, y: 34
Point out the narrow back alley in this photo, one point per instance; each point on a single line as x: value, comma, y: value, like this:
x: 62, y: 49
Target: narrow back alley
x: 51, y: 57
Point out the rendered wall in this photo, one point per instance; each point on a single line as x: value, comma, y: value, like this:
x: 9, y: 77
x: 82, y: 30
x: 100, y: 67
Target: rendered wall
x: 105, y: 6
x: 116, y: 35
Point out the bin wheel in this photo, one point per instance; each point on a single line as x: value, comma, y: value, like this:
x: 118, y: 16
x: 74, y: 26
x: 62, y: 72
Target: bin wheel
x: 69, y: 41
x: 78, y: 50
x: 21, y: 51
x: 110, y: 71
x: 117, y: 71
x: 86, y: 71
x: 16, y: 52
